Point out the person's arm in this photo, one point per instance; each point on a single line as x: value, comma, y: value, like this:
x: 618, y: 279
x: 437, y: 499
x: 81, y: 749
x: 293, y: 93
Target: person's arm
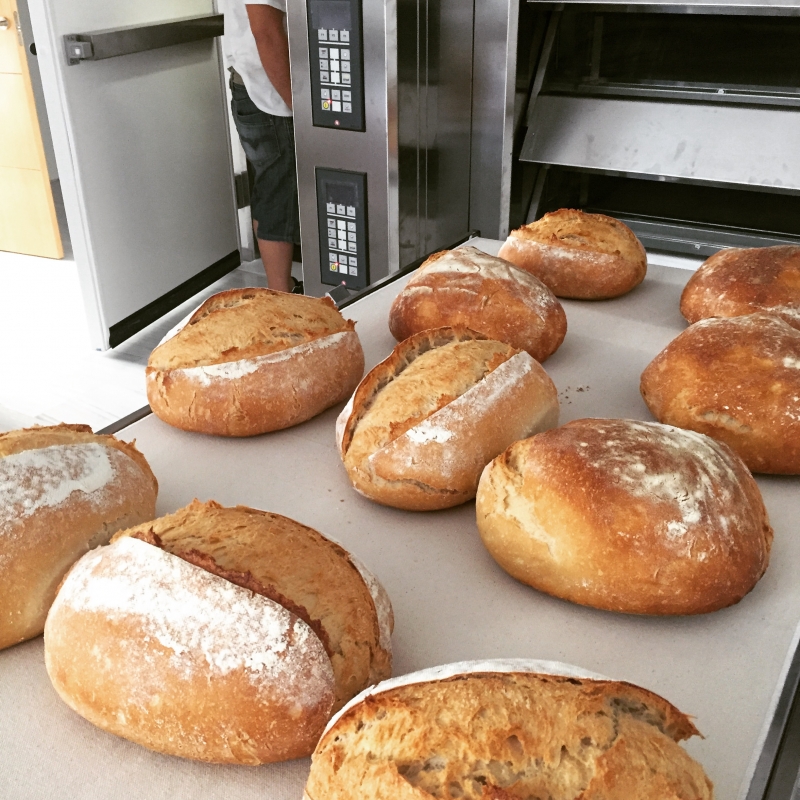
x: 266, y: 23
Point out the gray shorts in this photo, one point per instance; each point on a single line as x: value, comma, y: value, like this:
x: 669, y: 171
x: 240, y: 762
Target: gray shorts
x: 268, y: 143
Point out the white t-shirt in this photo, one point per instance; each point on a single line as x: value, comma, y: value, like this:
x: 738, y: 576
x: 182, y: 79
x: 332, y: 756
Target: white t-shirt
x: 239, y: 47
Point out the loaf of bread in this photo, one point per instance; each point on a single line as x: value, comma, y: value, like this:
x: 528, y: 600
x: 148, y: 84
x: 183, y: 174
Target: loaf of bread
x: 422, y: 425
x: 626, y: 516
x: 220, y: 634
x: 250, y: 361
x: 736, y: 281
x: 579, y: 255
x: 63, y: 491
x: 466, y: 287
x: 507, y: 730
x: 737, y: 380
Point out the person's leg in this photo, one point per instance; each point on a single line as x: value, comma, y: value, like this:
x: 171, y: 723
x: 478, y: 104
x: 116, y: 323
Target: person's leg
x: 268, y: 142
x: 277, y: 258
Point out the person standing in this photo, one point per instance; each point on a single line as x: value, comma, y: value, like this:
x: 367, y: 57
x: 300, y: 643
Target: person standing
x: 256, y: 47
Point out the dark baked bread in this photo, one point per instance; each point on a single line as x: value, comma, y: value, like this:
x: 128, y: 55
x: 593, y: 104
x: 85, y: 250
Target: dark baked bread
x: 473, y: 733
x: 466, y: 287
x: 737, y: 380
x: 626, y: 516
x: 249, y: 361
x: 423, y: 423
x: 735, y: 282
x: 579, y: 255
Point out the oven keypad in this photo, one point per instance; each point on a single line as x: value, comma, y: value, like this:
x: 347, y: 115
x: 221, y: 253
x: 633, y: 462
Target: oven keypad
x: 342, y: 239
x: 334, y: 68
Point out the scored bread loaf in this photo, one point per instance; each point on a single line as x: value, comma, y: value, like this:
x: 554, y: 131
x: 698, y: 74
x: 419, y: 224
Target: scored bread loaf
x: 506, y: 730
x: 627, y: 516
x: 63, y: 491
x: 579, y: 255
x: 219, y: 634
x: 738, y: 281
x: 423, y: 423
x: 737, y: 380
x: 249, y: 361
x: 466, y: 287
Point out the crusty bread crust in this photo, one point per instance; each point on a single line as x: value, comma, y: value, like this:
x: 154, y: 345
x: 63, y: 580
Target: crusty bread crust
x: 579, y: 255
x: 299, y: 568
x: 421, y: 443
x: 466, y: 287
x: 626, y: 516
x: 250, y: 361
x: 734, y: 282
x: 508, y: 736
x: 737, y: 380
x: 150, y: 647
x: 63, y: 491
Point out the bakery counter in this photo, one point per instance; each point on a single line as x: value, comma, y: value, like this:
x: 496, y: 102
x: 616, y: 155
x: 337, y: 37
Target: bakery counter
x: 451, y: 601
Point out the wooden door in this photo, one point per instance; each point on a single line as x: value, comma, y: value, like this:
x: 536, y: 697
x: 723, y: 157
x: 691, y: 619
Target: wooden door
x: 27, y: 215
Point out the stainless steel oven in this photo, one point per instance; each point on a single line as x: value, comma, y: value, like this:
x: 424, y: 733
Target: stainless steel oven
x: 399, y: 108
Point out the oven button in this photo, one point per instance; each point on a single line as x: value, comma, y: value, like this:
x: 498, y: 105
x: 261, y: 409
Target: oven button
x: 347, y: 108
x: 330, y: 208
x: 346, y: 78
x: 324, y: 77
x: 333, y: 35
x: 345, y: 54
x: 345, y: 66
x: 351, y: 237
x: 340, y: 210
x: 351, y: 210
x: 341, y: 224
x: 335, y: 77
x: 352, y: 247
x: 332, y: 257
x: 322, y: 34
x: 335, y: 94
x: 326, y: 105
x: 325, y: 94
x: 351, y: 226
x: 331, y: 242
x: 334, y: 52
x: 344, y: 36
x: 323, y: 63
x: 323, y: 52
x: 337, y: 106
x: 334, y: 267
x: 353, y: 261
x: 346, y: 95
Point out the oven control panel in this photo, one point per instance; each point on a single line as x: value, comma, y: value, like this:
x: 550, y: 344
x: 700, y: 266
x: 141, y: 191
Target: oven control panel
x: 337, y: 73
x: 342, y: 215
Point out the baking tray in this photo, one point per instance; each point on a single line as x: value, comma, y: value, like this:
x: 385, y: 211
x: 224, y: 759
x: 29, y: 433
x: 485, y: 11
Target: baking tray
x: 451, y: 601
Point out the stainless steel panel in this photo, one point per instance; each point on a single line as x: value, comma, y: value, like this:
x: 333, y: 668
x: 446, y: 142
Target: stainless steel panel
x: 766, y: 7
x: 754, y: 147
x: 434, y: 65
x: 373, y: 151
x: 494, y: 73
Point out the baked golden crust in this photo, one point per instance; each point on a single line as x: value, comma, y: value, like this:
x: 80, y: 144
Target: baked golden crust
x: 737, y: 380
x: 739, y: 281
x: 423, y: 423
x: 468, y: 288
x: 250, y: 361
x: 579, y: 255
x: 63, y: 491
x: 291, y: 561
x: 626, y: 516
x: 154, y: 649
x: 508, y: 736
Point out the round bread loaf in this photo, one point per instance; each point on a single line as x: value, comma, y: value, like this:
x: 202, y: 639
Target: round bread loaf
x: 735, y: 282
x: 510, y: 730
x: 249, y: 361
x: 219, y: 634
x: 737, y: 380
x: 579, y: 255
x: 63, y: 491
x: 422, y: 425
x: 626, y: 516
x: 466, y: 287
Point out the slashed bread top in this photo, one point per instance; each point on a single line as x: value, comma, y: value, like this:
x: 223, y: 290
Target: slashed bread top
x: 247, y: 323
x: 431, y: 381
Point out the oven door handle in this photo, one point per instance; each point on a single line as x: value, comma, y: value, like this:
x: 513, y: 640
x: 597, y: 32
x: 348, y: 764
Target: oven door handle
x: 140, y: 38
